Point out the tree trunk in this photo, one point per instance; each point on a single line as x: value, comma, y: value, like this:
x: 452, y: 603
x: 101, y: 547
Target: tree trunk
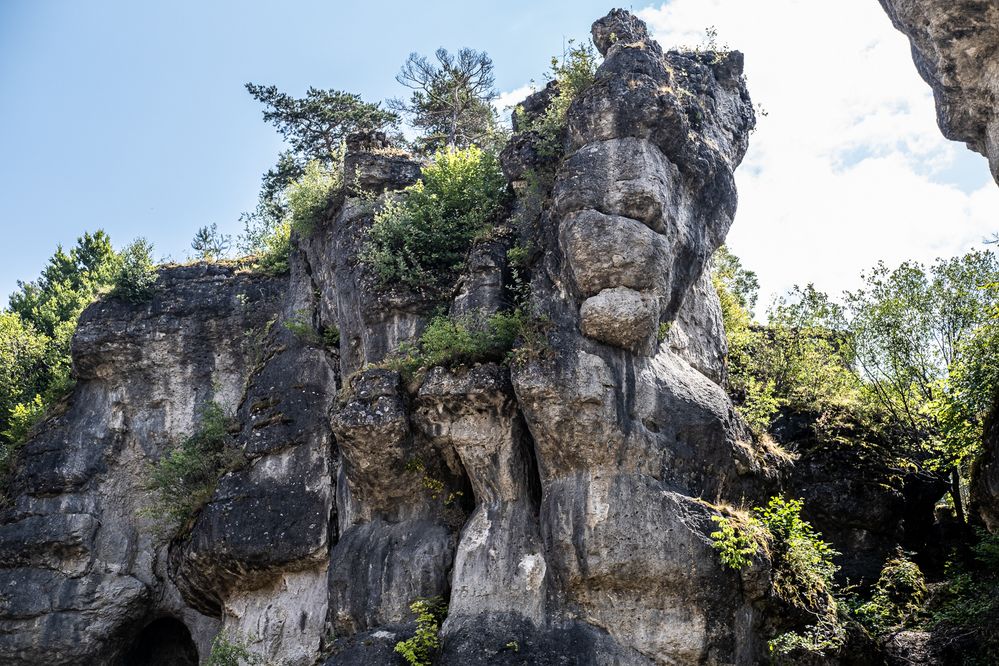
x: 955, y: 493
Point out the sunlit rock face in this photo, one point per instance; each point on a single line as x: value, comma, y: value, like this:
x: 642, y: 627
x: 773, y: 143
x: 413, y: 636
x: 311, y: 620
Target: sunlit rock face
x: 560, y: 501
x: 955, y: 45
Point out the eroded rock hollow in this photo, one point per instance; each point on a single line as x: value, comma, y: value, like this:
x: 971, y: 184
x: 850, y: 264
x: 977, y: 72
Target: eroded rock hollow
x: 561, y: 502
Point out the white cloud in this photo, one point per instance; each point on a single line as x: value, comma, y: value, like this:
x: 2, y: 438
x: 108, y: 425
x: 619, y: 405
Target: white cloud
x: 846, y: 167
x: 505, y: 103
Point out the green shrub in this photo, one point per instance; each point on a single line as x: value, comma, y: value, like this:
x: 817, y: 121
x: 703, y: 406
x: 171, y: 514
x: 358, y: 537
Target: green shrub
x: 968, y: 604
x: 898, y: 596
x: 802, y: 575
x: 23, y: 416
x: 135, y: 278
x: 301, y: 325
x: 309, y: 196
x: 275, y: 249
x: 421, y: 238
x: 759, y: 404
x: 574, y: 72
x: 420, y: 649
x: 184, y: 479
x: 802, y: 562
x: 825, y: 636
x: 736, y: 541
x: 228, y: 652
x: 461, y: 341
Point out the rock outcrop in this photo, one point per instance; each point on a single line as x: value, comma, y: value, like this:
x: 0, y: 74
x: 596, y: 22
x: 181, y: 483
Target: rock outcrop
x: 955, y: 45
x: 561, y: 502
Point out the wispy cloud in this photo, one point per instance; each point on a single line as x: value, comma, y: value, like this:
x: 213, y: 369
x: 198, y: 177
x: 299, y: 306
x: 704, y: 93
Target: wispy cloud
x: 848, y: 167
x: 506, y: 101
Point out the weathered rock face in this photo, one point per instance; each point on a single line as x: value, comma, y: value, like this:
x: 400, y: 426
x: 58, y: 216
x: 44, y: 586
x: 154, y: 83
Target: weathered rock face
x: 955, y: 45
x: 81, y: 570
x: 560, y: 502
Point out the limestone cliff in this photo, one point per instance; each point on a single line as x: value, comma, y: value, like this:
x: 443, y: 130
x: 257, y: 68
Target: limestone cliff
x: 560, y: 502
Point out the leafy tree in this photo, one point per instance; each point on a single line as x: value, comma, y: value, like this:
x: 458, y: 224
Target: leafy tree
x: 209, y: 244
x: 68, y: 283
x: 923, y: 342
x: 729, y: 275
x: 135, y: 279
x: 23, y: 367
x: 260, y: 225
x: 316, y: 125
x: 451, y: 98
x: 309, y: 196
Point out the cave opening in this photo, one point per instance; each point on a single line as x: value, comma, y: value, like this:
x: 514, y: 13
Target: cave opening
x: 163, y: 642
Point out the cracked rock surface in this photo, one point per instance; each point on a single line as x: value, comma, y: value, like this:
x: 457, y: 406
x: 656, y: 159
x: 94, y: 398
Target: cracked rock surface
x: 560, y: 501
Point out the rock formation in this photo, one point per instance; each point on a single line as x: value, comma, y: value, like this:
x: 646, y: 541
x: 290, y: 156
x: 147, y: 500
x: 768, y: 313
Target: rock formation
x: 561, y: 502
x: 955, y: 45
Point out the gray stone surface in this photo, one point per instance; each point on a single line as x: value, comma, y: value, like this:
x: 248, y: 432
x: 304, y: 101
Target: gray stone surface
x: 561, y: 501
x: 955, y: 46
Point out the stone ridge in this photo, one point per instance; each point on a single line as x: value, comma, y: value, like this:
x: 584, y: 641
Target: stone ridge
x: 955, y: 46
x: 561, y: 503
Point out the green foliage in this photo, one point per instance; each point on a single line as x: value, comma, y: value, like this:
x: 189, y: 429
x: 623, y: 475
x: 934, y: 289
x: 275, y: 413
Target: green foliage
x: 316, y: 125
x: 802, y: 359
x: 460, y: 341
x: 301, y: 325
x: 826, y: 635
x: 309, y: 196
x: 897, y: 596
x: 740, y: 285
x: 185, y: 477
x: 924, y: 343
x: 802, y: 563
x: 736, y: 542
x: 23, y: 371
x: 968, y: 604
x: 275, y: 250
x: 759, y: 403
x: 35, y: 335
x: 23, y: 416
x: 209, y: 244
x: 573, y: 73
x: 135, y: 279
x: 663, y: 331
x: 420, y: 649
x: 228, y: 652
x: 421, y: 239
x: 451, y: 102
x: 271, y: 212
x: 803, y: 567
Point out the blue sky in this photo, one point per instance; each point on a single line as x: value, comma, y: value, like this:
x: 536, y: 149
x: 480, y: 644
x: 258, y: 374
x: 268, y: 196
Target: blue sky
x: 132, y: 117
